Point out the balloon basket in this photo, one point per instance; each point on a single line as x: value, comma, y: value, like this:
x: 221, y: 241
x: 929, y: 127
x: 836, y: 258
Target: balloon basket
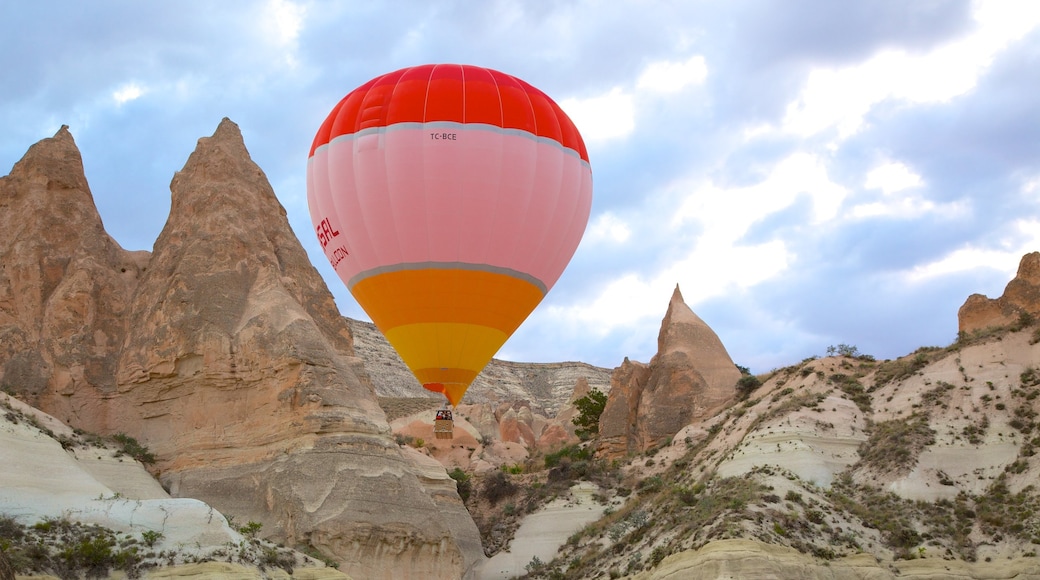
x: 444, y: 425
x: 444, y: 429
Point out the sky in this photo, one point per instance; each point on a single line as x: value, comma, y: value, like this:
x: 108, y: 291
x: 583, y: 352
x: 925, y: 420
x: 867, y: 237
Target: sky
x: 808, y: 172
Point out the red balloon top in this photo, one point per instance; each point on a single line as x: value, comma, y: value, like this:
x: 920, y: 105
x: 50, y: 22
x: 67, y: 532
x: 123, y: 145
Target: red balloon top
x: 456, y: 93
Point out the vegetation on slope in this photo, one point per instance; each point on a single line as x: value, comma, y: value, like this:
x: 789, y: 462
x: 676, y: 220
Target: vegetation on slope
x: 687, y: 505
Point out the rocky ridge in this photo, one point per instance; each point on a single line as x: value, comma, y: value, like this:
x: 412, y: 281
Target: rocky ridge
x: 837, y: 467
x: 844, y: 467
x: 1021, y: 297
x: 223, y: 352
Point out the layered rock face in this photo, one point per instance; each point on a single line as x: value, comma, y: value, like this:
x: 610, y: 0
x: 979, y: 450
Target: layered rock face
x: 223, y: 353
x: 691, y: 378
x: 1021, y: 296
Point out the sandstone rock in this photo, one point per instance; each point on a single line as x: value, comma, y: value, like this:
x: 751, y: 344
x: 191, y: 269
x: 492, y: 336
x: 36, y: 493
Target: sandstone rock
x: 41, y: 480
x: 542, y: 533
x: 65, y: 285
x: 554, y: 436
x: 691, y: 378
x: 567, y: 412
x: 226, y: 571
x: 225, y: 355
x: 753, y: 559
x: 509, y: 427
x: 617, y: 424
x: 1021, y: 296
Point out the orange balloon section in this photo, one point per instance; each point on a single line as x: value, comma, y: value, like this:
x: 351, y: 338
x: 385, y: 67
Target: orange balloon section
x: 449, y: 199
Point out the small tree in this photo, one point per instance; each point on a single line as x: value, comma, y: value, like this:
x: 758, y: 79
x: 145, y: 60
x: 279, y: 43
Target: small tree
x: 747, y: 382
x: 462, y: 482
x: 590, y: 407
x: 843, y: 350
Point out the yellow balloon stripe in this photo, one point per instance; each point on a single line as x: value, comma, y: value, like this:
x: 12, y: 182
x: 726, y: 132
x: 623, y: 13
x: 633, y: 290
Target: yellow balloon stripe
x: 446, y: 323
x: 425, y: 348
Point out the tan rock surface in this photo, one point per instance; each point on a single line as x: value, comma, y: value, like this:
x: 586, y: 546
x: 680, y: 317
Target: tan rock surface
x: 65, y: 285
x: 542, y: 533
x: 691, y: 378
x: 225, y: 571
x: 40, y: 479
x: 1021, y: 296
x: 225, y: 355
x: 752, y: 559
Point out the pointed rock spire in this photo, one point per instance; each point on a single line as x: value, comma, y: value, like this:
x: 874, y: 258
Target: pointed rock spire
x: 64, y: 283
x: 55, y: 163
x: 690, y: 378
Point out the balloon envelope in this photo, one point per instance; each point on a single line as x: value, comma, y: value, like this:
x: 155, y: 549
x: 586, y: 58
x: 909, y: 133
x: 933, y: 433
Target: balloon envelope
x: 449, y: 199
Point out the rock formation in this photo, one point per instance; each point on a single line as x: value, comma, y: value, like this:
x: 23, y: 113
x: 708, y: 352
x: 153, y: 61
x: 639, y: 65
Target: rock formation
x: 690, y: 378
x: 223, y: 352
x: 65, y: 285
x: 51, y: 473
x: 1021, y: 296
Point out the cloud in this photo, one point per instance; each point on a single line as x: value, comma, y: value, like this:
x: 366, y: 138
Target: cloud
x: 672, y: 77
x: 839, y: 97
x: 281, y: 22
x: 607, y: 228
x: 128, y: 92
x: 603, y: 117
x: 779, y: 161
x: 892, y: 177
x: 613, y: 115
x: 1023, y: 238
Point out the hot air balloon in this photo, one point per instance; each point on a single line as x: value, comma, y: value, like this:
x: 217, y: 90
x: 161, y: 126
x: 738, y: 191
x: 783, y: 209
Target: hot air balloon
x: 449, y: 199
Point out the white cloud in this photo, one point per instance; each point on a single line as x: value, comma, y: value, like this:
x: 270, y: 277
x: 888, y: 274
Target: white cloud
x: 672, y: 77
x: 127, y: 93
x: 1026, y: 239
x: 284, y: 20
x: 608, y: 116
x: 840, y: 98
x: 612, y: 115
x: 280, y: 24
x: 735, y: 208
x: 892, y: 177
x: 907, y: 207
x: 716, y: 261
x: 607, y: 227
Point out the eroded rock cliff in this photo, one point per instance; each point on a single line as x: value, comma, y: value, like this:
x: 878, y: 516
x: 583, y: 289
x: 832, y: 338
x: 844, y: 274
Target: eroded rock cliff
x: 65, y: 284
x: 1021, y: 297
x: 223, y: 352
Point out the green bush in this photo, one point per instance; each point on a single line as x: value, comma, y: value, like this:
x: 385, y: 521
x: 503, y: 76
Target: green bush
x: 590, y: 408
x: 747, y: 385
x: 131, y: 447
x: 462, y: 482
